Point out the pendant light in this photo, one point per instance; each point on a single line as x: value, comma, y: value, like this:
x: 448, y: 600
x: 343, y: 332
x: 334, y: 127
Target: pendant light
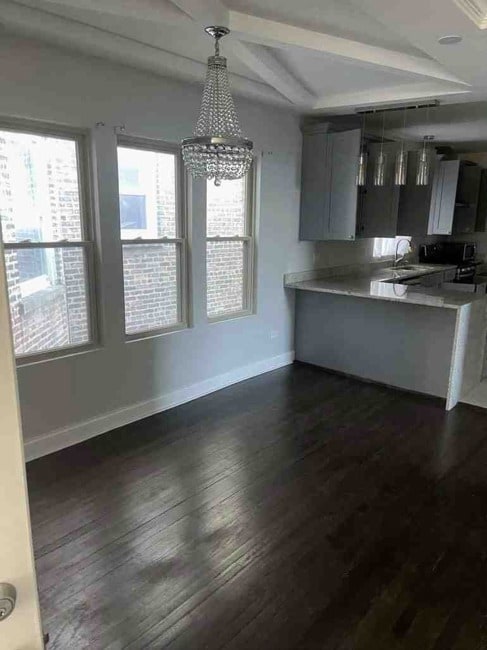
x: 380, y: 163
x: 424, y: 165
x: 362, y: 159
x: 424, y: 162
x: 401, y: 167
x: 217, y: 149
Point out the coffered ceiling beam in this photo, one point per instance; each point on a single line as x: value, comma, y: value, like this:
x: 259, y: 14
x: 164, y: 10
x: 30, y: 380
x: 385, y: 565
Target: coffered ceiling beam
x: 270, y: 32
x: 476, y: 10
x: 261, y: 61
x: 255, y: 57
x: 424, y: 23
x: 204, y: 12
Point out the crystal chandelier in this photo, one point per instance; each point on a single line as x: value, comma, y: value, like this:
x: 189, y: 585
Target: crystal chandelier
x: 217, y: 149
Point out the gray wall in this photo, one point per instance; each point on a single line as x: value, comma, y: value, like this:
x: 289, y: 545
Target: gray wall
x: 44, y: 83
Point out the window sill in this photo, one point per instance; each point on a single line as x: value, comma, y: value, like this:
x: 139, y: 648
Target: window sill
x: 152, y: 334
x: 232, y: 316
x: 55, y: 355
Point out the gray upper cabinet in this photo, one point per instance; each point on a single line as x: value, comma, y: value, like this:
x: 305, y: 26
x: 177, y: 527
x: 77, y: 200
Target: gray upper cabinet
x: 334, y: 208
x: 443, y: 195
x: 345, y: 149
x: 328, y: 188
x: 481, y: 219
x: 379, y: 203
x: 448, y: 204
x: 315, y: 179
x: 467, y: 198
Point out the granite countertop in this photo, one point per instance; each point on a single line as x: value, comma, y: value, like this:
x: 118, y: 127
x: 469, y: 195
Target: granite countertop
x: 377, y: 285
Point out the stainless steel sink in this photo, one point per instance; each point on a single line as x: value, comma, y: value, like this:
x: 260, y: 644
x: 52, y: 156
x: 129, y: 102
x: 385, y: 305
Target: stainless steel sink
x: 406, y: 273
x: 408, y: 268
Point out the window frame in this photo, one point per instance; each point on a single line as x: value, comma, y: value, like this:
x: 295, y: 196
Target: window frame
x: 81, y: 138
x: 249, y: 240
x: 181, y: 240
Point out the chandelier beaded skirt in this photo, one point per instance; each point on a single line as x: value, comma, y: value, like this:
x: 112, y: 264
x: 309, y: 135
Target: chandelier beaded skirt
x: 217, y: 149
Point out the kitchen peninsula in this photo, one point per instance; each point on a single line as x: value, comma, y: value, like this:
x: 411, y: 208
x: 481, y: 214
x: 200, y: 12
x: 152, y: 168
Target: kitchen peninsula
x: 366, y: 322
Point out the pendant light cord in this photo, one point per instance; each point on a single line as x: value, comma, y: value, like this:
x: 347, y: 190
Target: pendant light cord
x: 403, y: 128
x: 362, y: 144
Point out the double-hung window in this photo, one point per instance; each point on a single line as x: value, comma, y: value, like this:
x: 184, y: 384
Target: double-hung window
x: 153, y: 234
x: 230, y: 248
x: 44, y: 210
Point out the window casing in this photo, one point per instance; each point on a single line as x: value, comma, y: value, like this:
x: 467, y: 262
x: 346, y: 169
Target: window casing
x: 45, y: 214
x: 154, y: 237
x: 230, y: 245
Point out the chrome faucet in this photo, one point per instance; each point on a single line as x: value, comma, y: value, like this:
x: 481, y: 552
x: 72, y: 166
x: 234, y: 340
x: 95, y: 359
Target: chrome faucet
x: 399, y: 258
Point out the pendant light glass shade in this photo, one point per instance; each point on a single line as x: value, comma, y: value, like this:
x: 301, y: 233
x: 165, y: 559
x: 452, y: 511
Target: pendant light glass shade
x: 363, y: 157
x: 380, y: 169
x: 380, y: 161
x: 217, y: 149
x: 362, y: 168
x: 401, y: 167
x: 424, y: 165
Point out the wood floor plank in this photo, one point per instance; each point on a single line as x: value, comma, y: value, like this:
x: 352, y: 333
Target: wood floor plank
x: 300, y: 509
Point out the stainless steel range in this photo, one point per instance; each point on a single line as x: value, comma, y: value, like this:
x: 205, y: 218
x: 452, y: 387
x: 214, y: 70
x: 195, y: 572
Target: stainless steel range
x: 461, y: 254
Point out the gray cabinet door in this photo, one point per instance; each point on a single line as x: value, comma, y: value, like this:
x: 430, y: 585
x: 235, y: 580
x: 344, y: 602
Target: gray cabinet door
x: 443, y: 197
x: 467, y: 198
x: 344, y: 150
x: 481, y: 221
x: 380, y: 204
x: 328, y: 185
x: 315, y: 187
x: 414, y: 201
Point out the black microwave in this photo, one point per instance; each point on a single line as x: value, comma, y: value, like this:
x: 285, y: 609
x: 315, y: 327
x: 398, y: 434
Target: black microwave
x: 448, y: 252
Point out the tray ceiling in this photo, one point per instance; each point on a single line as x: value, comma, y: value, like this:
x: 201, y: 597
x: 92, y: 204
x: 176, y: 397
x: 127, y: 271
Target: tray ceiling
x: 315, y: 56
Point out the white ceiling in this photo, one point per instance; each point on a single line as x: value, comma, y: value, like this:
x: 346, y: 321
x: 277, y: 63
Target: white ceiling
x: 326, y: 75
x: 315, y: 56
x: 338, y: 17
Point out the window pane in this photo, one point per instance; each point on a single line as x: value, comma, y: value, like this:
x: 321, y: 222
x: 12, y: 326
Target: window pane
x: 225, y: 208
x: 48, y: 298
x: 147, y: 186
x: 151, y: 280
x: 39, y: 188
x: 132, y: 212
x: 225, y: 270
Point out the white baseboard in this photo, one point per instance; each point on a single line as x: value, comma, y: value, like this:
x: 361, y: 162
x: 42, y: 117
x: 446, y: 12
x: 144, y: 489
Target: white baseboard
x: 61, y: 438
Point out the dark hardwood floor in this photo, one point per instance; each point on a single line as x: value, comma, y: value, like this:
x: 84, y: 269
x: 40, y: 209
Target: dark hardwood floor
x: 300, y: 509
